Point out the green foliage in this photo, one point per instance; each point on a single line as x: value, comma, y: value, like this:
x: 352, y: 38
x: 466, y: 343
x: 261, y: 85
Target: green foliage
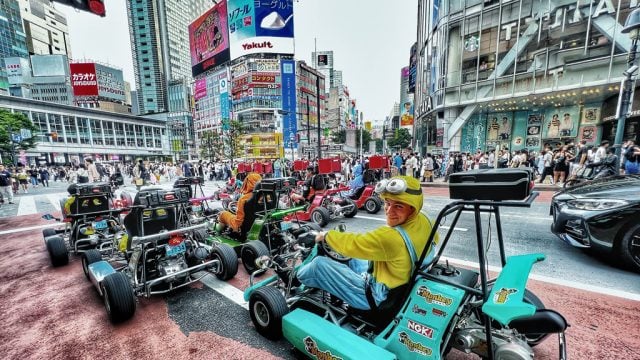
x: 13, y: 122
x: 211, y: 145
x: 225, y: 145
x: 340, y: 137
x: 401, y: 139
x: 379, y: 146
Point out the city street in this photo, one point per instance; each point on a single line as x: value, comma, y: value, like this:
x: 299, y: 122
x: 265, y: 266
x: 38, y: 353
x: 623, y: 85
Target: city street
x: 55, y: 313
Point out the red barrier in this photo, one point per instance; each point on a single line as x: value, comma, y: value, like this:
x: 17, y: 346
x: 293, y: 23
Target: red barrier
x: 300, y: 165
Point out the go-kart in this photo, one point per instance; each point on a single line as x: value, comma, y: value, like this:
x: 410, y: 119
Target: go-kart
x: 442, y: 307
x: 155, y: 256
x: 366, y: 198
x: 91, y: 220
x: 264, y: 229
x: 327, y: 205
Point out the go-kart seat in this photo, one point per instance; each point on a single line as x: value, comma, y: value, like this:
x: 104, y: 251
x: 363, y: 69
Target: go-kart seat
x: 386, y: 310
x: 87, y: 199
x: 358, y: 193
x: 151, y: 213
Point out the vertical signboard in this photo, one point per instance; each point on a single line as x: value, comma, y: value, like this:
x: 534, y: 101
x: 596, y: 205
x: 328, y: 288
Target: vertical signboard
x: 223, y: 87
x: 413, y: 67
x: 83, y: 79
x: 200, y: 89
x: 260, y: 26
x: 289, y: 120
x: 209, y: 39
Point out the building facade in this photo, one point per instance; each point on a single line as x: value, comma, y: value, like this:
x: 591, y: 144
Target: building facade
x: 67, y: 134
x: 13, y: 40
x: 520, y: 74
x: 45, y: 28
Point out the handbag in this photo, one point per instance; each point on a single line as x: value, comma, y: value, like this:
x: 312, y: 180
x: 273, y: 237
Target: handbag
x: 139, y: 181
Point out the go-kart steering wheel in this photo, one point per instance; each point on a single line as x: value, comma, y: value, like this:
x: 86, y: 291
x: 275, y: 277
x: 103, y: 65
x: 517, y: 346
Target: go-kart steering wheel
x: 332, y: 254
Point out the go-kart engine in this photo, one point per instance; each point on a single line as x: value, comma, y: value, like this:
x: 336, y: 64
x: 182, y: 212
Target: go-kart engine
x: 506, y: 344
x: 171, y: 265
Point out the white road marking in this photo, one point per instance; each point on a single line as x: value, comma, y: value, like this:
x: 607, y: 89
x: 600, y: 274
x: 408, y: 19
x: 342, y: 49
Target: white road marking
x: 54, y: 199
x: 11, y: 231
x: 27, y: 206
x: 229, y: 291
x: 383, y: 219
x: 555, y: 281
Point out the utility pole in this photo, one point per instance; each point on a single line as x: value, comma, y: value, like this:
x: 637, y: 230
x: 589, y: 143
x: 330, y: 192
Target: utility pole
x: 13, y: 146
x: 361, y: 130
x: 318, y: 112
x: 308, y: 126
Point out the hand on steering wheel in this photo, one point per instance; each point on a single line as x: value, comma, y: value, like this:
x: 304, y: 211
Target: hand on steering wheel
x: 325, y: 249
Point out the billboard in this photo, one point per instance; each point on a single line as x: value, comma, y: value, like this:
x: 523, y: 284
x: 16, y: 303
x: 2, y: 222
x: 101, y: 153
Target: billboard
x: 49, y: 65
x: 110, y: 82
x: 17, y: 69
x: 413, y: 67
x: 201, y: 89
x: 260, y: 27
x: 289, y: 121
x: 83, y: 79
x: 209, y: 39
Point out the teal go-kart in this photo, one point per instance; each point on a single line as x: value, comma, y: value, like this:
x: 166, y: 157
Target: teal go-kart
x: 264, y: 232
x: 155, y: 256
x: 441, y: 308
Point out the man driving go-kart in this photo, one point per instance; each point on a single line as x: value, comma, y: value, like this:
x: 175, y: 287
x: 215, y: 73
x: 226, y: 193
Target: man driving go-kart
x: 391, y: 249
x: 234, y: 221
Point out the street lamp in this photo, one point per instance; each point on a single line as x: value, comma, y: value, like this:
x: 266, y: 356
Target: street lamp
x: 631, y: 27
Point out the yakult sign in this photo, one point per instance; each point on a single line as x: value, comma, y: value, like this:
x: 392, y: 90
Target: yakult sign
x: 260, y: 26
x: 83, y: 79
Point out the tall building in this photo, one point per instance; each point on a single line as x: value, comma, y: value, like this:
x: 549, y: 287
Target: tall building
x: 522, y: 74
x: 161, y: 60
x: 45, y: 28
x: 13, y: 40
x: 310, y: 83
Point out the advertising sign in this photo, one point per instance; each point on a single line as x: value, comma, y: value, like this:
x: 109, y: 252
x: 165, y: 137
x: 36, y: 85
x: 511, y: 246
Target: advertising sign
x: 406, y: 114
x: 267, y: 65
x: 289, y: 121
x: 83, y: 79
x: 413, y: 67
x: 260, y: 26
x: 200, y: 90
x: 223, y: 88
x: 209, y: 40
x: 16, y: 68
x: 561, y: 123
x: 590, y: 115
x: 49, y: 65
x: 110, y: 82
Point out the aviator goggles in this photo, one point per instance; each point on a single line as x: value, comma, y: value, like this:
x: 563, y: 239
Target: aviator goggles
x: 395, y: 186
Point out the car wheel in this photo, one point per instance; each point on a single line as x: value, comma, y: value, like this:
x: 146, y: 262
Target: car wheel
x: 57, y: 251
x: 252, y: 251
x: 267, y: 307
x: 320, y: 216
x: 118, y: 297
x: 228, y: 259
x: 88, y: 258
x: 372, y: 205
x: 629, y: 248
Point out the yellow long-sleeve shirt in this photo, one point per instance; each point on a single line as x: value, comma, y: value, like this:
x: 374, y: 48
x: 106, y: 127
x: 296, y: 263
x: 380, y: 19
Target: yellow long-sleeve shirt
x: 386, y: 248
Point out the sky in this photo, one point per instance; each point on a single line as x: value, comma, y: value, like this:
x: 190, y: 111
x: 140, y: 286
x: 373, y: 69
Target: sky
x: 370, y: 42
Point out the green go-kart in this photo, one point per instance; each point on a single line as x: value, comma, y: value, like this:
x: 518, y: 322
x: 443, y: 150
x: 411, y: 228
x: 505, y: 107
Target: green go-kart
x: 441, y: 308
x: 264, y: 231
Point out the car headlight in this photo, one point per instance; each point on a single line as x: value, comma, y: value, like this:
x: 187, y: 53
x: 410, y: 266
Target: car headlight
x: 596, y: 204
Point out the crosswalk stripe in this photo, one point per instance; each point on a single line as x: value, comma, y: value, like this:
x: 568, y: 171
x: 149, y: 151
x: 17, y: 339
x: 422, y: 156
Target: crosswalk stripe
x: 27, y: 205
x: 54, y: 199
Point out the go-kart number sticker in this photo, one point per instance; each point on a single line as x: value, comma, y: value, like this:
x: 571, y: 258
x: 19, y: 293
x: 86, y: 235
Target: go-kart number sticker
x: 312, y: 349
x: 414, y: 346
x: 502, y: 296
x: 420, y: 329
x: 430, y: 297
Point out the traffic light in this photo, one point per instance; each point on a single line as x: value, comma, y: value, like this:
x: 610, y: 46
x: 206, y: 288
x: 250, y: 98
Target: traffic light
x: 92, y: 6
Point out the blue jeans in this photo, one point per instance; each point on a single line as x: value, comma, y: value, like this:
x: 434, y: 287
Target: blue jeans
x: 277, y: 173
x: 347, y: 282
x: 631, y: 167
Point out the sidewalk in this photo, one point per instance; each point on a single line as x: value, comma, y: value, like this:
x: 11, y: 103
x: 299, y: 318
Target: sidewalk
x: 439, y: 182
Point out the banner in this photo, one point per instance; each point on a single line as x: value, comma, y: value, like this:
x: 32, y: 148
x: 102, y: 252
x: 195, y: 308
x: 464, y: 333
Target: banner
x: 209, y: 39
x: 83, y: 79
x: 260, y: 26
x: 225, y: 106
x: 200, y: 89
x: 289, y: 119
x: 110, y: 82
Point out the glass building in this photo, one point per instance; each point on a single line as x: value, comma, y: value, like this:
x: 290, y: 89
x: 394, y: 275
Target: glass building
x: 521, y: 74
x: 13, y: 40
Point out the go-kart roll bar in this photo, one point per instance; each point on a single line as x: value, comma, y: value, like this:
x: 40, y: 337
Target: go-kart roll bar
x: 478, y: 207
x: 163, y: 235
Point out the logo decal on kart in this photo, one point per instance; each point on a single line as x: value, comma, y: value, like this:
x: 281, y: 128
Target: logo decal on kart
x: 420, y: 329
x: 502, y: 296
x: 438, y: 312
x: 418, y: 310
x: 312, y: 349
x: 434, y: 298
x: 414, y: 346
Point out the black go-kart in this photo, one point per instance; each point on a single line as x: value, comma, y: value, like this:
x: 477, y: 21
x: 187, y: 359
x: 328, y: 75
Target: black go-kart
x: 155, y: 256
x: 91, y: 220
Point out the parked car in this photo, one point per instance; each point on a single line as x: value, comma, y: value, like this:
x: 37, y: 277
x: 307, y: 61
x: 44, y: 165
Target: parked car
x: 603, y: 215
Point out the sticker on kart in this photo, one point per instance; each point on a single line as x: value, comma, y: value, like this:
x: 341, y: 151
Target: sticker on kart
x: 414, y: 346
x: 312, y: 349
x: 430, y: 297
x: 502, y: 296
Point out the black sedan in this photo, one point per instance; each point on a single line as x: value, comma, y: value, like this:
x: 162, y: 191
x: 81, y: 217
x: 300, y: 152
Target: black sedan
x: 603, y: 215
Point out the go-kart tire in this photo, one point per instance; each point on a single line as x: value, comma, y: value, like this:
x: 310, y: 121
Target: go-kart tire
x: 250, y: 252
x: 320, y: 216
x: 89, y: 257
x: 118, y: 297
x: 228, y: 261
x: 267, y: 307
x: 372, y: 205
x: 354, y: 210
x: 57, y: 251
x: 48, y: 232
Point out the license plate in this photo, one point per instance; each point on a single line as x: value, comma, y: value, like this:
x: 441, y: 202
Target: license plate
x: 99, y: 225
x: 175, y: 250
x: 196, y: 208
x: 285, y: 225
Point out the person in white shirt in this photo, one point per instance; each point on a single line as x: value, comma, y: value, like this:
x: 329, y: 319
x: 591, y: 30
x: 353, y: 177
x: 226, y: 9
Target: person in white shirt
x: 601, y: 153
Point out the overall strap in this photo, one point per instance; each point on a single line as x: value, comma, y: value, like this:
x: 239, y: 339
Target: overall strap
x: 412, y: 249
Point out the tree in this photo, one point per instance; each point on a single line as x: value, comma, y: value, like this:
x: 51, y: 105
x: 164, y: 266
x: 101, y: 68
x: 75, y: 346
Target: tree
x: 400, y: 140
x: 379, y: 146
x: 12, y: 123
x: 232, y: 140
x: 211, y: 145
x: 340, y: 137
